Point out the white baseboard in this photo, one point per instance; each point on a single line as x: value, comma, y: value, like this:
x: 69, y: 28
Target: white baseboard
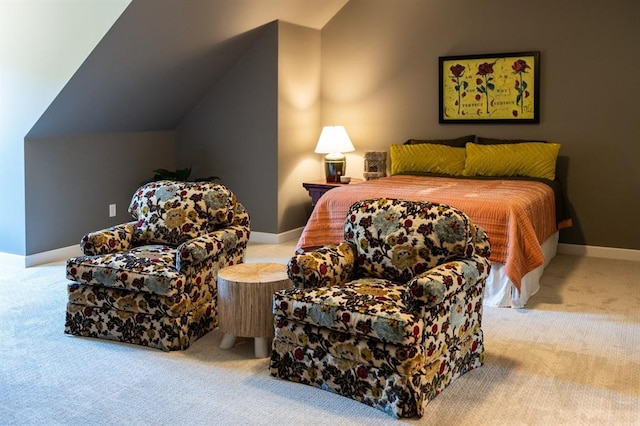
x: 57, y: 255
x: 61, y: 254
x: 266, y: 238
x: 602, y: 252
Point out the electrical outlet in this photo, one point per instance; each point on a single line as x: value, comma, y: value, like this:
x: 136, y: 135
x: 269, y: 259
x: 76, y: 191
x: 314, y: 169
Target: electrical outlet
x: 112, y: 210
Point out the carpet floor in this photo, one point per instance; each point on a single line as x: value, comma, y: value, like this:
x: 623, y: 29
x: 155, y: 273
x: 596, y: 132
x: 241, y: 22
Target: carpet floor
x: 570, y: 357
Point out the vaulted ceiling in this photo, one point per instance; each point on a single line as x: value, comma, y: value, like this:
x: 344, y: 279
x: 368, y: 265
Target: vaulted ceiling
x: 160, y: 57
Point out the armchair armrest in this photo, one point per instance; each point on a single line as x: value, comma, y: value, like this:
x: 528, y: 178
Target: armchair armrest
x: 210, y: 245
x: 110, y: 240
x: 437, y: 284
x: 326, y: 266
x: 483, y: 246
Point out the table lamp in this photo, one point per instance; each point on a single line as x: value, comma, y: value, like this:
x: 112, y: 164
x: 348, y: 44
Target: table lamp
x: 334, y: 141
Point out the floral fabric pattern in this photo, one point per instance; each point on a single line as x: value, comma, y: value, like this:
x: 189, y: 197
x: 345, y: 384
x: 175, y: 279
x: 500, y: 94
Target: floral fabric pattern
x: 162, y: 332
x: 111, y: 240
x: 322, y: 267
x: 371, y: 307
x: 432, y: 287
x: 146, y: 303
x: 397, y: 379
x: 391, y: 316
x: 149, y: 269
x: 398, y: 240
x: 158, y: 295
x: 231, y: 242
x: 173, y: 212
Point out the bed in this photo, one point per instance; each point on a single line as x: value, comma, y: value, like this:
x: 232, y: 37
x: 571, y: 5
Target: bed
x: 522, y: 216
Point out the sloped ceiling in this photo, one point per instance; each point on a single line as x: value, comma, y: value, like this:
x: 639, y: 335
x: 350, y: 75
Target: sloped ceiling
x: 160, y: 57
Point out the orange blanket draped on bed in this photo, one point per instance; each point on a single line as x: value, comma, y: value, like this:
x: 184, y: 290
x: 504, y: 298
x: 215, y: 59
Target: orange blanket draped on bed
x: 517, y: 215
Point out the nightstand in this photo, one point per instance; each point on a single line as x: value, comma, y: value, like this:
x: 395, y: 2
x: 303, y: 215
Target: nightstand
x: 317, y: 188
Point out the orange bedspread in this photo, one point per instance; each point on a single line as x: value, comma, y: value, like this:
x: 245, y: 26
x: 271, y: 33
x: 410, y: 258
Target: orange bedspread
x: 517, y: 215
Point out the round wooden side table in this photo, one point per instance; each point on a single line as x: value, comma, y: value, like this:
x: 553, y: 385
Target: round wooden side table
x: 245, y: 302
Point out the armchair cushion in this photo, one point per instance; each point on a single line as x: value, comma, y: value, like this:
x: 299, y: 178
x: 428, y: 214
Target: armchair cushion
x: 397, y: 240
x: 165, y: 216
x: 369, y: 307
x: 149, y: 269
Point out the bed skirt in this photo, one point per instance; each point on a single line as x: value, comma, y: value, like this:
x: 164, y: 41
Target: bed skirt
x: 500, y: 291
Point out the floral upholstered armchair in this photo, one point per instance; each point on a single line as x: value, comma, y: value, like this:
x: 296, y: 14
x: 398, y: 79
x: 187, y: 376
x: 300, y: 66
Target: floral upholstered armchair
x: 152, y: 281
x: 390, y: 316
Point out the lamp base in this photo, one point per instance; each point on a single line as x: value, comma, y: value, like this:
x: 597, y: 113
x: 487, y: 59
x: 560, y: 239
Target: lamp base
x: 334, y: 168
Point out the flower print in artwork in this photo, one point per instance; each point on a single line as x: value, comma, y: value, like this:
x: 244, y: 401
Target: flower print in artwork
x: 461, y: 85
x: 485, y: 81
x: 520, y: 67
x: 502, y: 87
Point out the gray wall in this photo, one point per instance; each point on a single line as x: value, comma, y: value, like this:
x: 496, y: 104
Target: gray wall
x: 141, y: 76
x: 71, y: 180
x: 42, y: 43
x: 255, y: 124
x: 146, y: 75
x: 121, y: 109
x: 299, y: 122
x: 233, y: 132
x: 257, y: 127
x: 380, y: 79
x: 214, y: 101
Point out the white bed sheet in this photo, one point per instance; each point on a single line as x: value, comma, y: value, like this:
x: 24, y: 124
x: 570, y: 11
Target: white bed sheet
x: 500, y: 291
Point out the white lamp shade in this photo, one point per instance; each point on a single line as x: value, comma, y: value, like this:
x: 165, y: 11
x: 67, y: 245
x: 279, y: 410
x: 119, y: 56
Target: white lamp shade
x: 334, y: 139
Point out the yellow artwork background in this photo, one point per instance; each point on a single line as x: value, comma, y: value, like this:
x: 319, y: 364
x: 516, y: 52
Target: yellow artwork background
x: 502, y: 100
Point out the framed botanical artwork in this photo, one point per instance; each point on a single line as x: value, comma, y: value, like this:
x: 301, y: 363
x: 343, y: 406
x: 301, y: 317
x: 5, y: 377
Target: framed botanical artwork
x: 492, y: 88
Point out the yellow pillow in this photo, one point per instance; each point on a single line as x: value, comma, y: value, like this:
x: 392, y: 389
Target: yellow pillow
x: 427, y: 158
x: 531, y: 159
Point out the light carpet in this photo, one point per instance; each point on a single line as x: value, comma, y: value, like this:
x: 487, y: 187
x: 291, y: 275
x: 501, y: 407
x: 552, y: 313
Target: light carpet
x: 571, y: 357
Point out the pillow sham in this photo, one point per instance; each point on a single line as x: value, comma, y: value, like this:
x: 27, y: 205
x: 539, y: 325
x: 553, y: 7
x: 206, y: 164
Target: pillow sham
x: 457, y: 142
x: 427, y: 158
x: 530, y: 159
x: 492, y: 141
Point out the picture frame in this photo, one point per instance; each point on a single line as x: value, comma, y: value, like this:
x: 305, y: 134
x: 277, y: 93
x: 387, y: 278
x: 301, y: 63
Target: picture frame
x: 490, y: 88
